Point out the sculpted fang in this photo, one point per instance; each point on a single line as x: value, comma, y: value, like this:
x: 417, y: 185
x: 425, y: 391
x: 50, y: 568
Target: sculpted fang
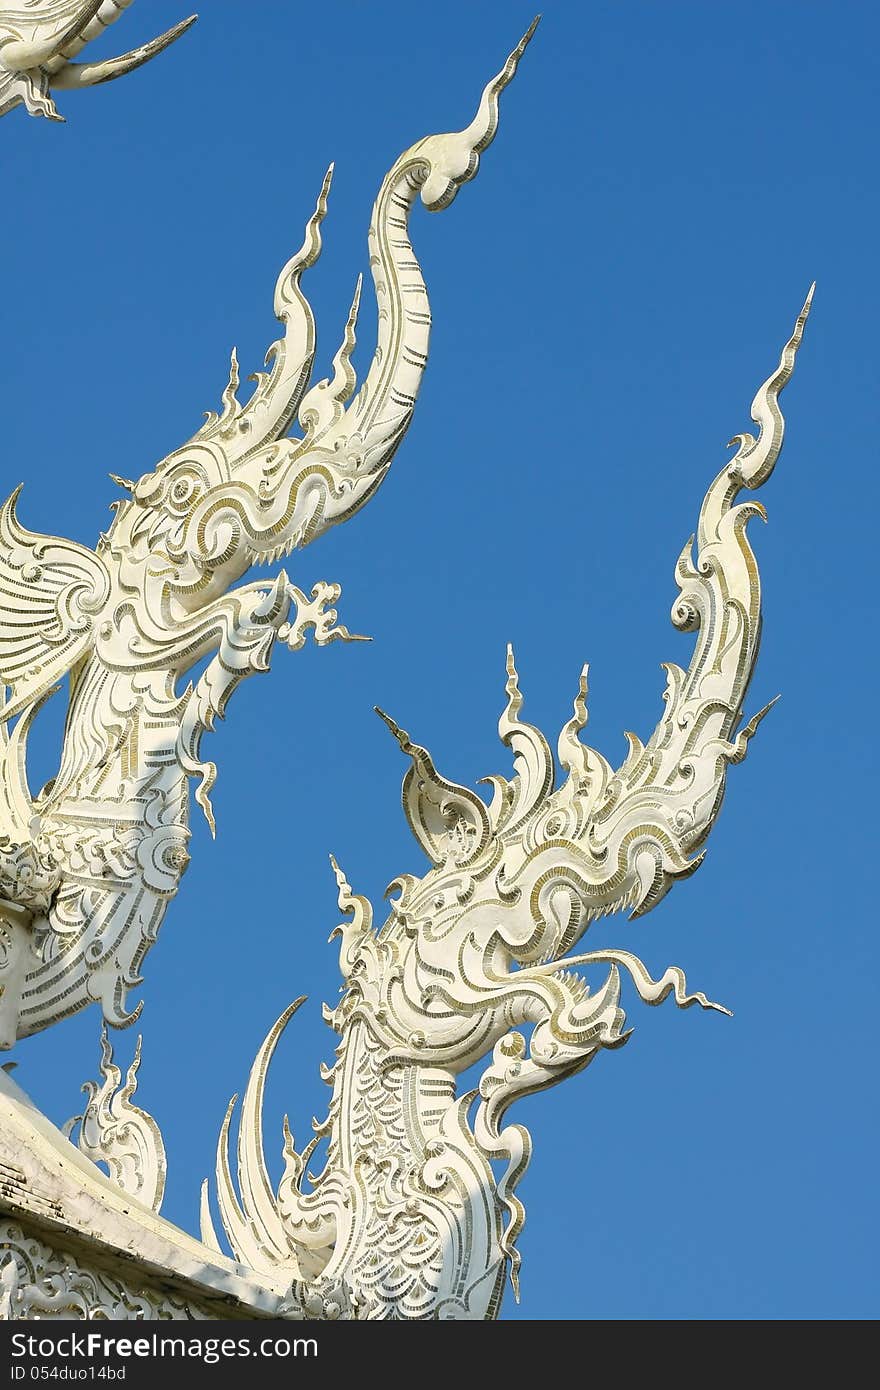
x: 89, y: 865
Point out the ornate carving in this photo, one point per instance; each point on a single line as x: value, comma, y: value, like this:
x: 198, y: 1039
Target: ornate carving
x: 407, y: 1218
x: 120, y: 1135
x: 39, y: 39
x: 90, y: 864
x: 39, y: 1282
x: 415, y: 1211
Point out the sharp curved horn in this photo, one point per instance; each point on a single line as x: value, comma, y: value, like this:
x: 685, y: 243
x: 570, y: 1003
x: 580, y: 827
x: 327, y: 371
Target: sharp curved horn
x: 351, y: 438
x: 661, y: 804
x: 366, y: 434
x: 91, y: 74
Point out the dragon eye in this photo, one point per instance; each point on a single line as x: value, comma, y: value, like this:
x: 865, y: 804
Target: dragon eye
x: 183, y: 492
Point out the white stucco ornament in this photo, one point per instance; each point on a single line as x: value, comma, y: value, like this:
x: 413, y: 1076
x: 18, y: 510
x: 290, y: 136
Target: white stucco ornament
x: 476, y: 963
x: 409, y: 1209
x: 119, y: 1134
x: 40, y: 38
x: 89, y: 866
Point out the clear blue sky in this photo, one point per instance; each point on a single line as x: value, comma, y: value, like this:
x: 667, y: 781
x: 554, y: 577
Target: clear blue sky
x: 667, y: 181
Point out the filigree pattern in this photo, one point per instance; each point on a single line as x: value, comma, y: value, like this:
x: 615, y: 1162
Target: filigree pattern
x: 40, y: 1282
x: 39, y: 39
x: 91, y: 863
x: 415, y: 1212
x: 120, y: 1135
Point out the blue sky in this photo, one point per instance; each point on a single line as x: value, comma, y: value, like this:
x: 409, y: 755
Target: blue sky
x: 666, y: 183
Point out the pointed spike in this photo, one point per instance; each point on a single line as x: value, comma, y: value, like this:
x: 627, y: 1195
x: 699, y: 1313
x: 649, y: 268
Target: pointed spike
x: 400, y: 734
x: 636, y: 747
x: 481, y: 130
x: 757, y: 458
x: 355, y: 906
x: 350, y: 337
x: 235, y: 1224
x: 798, y: 332
x: 206, y: 1224
x: 204, y: 800
x: 286, y: 288
x: 343, y: 897
x: 257, y: 1198
x: 229, y: 398
x: 574, y: 755
x: 581, y: 713
x: 511, y: 687
x: 75, y: 75
x: 458, y: 154
x: 766, y: 710
x: 321, y: 205
x: 344, y: 377
x: 739, y: 747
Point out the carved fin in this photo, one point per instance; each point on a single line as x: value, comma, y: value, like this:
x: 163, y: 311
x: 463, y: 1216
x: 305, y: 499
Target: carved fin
x: 238, y: 1231
x: 16, y: 802
x: 257, y: 1197
x: 253, y: 1224
x: 450, y: 822
x: 667, y: 794
x: 323, y: 405
x: 588, y: 771
x: 352, y: 933
x: 532, y: 759
x: 51, y: 593
x: 206, y: 1224
x: 119, y: 1134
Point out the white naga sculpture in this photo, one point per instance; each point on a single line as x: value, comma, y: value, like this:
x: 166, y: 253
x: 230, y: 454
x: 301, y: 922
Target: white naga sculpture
x: 414, y: 1213
x: 88, y: 866
x: 40, y: 38
x: 407, y: 1218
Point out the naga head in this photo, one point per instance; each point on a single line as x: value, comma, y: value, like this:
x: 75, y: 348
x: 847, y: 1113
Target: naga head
x: 477, y: 961
x: 39, y: 39
x: 243, y: 490
x: 483, y: 942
